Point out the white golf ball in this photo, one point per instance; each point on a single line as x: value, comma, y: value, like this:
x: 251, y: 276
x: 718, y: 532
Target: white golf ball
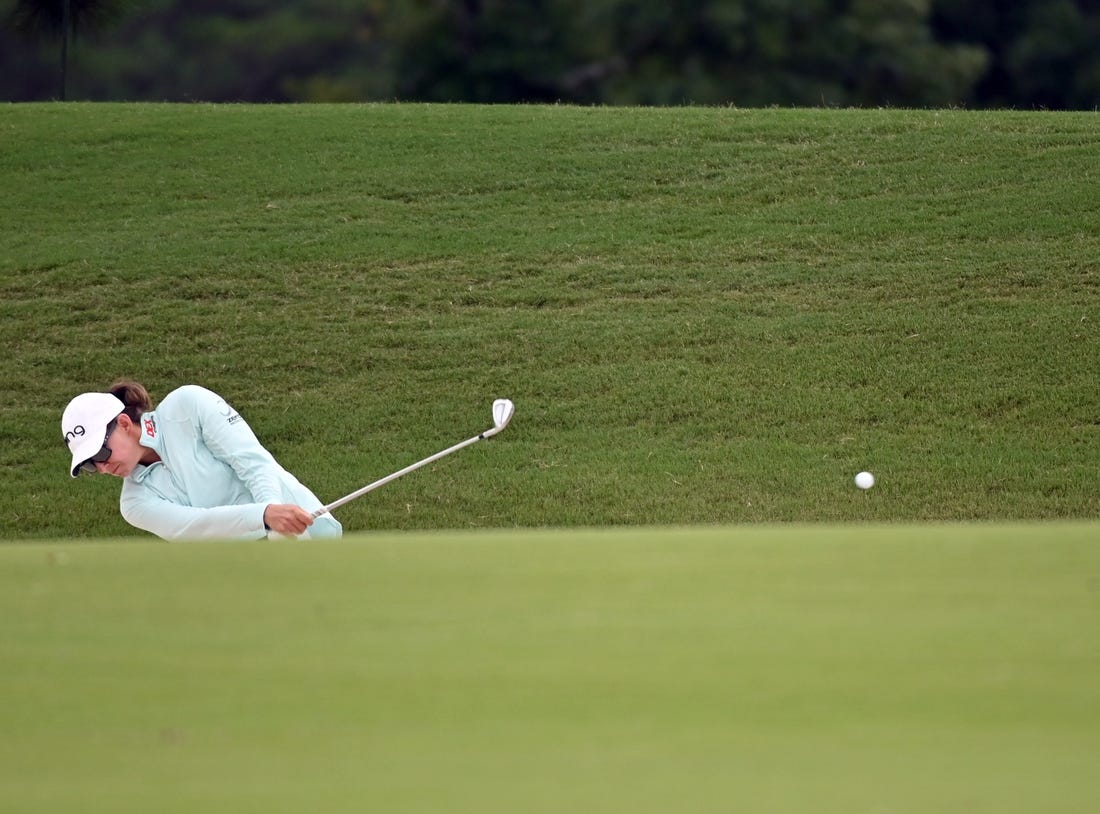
x: 865, y: 480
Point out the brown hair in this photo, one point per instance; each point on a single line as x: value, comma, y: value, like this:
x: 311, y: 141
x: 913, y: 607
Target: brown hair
x: 134, y: 396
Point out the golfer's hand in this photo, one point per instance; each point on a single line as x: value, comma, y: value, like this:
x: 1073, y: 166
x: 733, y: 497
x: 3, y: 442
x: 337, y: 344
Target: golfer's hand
x: 286, y: 518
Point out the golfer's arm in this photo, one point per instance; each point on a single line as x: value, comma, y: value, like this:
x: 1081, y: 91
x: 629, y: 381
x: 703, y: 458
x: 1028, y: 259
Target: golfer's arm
x: 233, y: 442
x: 171, y: 521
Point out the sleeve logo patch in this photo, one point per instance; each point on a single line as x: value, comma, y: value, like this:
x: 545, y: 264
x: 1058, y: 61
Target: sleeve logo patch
x: 231, y: 415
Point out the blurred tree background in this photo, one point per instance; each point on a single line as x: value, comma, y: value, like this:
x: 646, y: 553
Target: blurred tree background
x: 749, y: 53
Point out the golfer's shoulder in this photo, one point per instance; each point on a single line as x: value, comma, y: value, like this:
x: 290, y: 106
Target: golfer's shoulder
x: 187, y: 400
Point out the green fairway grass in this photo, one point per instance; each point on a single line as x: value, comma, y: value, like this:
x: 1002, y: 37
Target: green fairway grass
x: 703, y: 315
x: 709, y: 321
x: 951, y: 668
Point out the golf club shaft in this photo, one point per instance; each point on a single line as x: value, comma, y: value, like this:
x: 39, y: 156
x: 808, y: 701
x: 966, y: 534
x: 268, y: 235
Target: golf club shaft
x: 383, y: 481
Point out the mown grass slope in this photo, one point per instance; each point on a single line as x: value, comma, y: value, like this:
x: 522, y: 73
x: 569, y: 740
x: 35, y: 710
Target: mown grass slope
x: 703, y: 315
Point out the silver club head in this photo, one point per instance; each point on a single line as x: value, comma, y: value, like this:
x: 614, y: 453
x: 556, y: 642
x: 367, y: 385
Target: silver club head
x: 503, y: 409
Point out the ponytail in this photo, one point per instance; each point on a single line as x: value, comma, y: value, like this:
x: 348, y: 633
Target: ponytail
x: 134, y: 396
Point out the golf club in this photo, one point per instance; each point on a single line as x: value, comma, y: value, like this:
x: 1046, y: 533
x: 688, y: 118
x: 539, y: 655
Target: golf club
x: 502, y: 414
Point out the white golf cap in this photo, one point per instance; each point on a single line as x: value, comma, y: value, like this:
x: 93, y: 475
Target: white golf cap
x: 84, y: 425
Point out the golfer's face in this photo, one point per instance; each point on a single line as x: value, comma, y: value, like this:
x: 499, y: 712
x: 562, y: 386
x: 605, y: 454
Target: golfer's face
x: 125, y: 451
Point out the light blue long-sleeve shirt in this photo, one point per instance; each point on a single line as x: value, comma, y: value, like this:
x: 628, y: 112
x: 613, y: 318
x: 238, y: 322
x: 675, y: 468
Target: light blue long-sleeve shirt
x: 214, y: 479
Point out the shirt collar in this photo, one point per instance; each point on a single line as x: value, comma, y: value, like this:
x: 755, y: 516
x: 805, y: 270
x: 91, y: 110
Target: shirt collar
x: 150, y: 437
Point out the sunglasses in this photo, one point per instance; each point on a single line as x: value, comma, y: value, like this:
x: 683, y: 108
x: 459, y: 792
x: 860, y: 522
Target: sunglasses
x: 103, y: 455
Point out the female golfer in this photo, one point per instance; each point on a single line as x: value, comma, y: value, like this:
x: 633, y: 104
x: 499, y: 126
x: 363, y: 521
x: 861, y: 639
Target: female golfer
x: 191, y: 469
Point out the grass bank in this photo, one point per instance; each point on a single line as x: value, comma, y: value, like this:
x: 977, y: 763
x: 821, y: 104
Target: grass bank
x: 703, y: 315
